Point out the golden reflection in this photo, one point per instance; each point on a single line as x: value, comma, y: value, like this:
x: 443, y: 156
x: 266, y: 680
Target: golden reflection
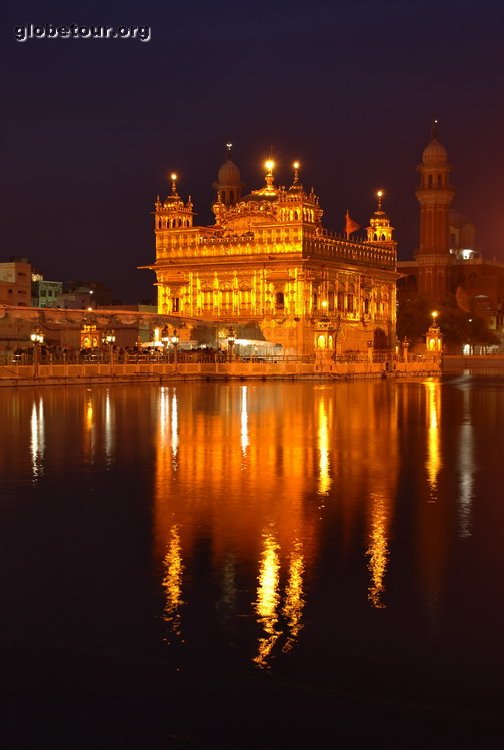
x: 433, y: 463
x: 377, y: 551
x: 268, y: 598
x: 172, y: 582
x: 174, y: 424
x: 109, y: 432
x: 258, y: 511
x: 324, y: 479
x: 89, y: 428
x: 37, y: 442
x: 244, y: 438
x: 163, y: 415
x: 294, y: 602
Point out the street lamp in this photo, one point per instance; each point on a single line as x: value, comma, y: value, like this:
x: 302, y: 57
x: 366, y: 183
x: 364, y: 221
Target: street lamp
x: 231, y: 340
x: 175, y: 342
x: 405, y: 344
x: 109, y: 339
x: 90, y: 298
x: 37, y: 338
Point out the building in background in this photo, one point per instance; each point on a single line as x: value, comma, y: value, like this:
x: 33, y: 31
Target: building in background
x: 45, y: 293
x: 267, y: 264
x: 15, y: 282
x: 448, y: 267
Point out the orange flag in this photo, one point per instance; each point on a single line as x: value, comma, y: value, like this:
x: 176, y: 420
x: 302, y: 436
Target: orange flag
x: 350, y: 225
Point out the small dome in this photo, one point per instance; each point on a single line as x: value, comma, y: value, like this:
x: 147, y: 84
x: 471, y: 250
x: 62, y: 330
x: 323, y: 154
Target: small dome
x: 229, y: 174
x: 434, y: 154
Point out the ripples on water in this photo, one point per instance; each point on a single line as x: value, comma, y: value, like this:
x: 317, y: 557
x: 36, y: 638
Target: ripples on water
x: 342, y: 536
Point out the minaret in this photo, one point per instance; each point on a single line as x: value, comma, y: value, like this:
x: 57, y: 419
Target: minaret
x: 379, y: 230
x: 228, y: 184
x: 434, y: 195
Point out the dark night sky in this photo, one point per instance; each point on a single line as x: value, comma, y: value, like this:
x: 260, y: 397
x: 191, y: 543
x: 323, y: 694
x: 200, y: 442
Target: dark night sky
x: 91, y: 128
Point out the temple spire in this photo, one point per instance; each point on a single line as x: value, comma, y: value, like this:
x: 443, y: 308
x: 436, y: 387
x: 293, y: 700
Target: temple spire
x: 173, y: 178
x: 434, y: 130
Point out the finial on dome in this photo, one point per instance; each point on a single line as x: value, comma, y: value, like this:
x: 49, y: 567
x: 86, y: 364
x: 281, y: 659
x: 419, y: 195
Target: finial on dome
x: 296, y: 166
x: 174, y: 178
x: 270, y: 165
x: 434, y: 130
x: 229, y: 147
x: 379, y: 195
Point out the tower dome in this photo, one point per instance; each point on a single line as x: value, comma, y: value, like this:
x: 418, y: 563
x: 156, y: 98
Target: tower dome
x: 228, y: 173
x: 434, y: 154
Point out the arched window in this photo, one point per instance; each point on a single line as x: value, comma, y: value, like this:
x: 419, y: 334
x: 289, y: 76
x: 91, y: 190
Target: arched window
x: 429, y: 181
x: 231, y: 196
x: 279, y: 299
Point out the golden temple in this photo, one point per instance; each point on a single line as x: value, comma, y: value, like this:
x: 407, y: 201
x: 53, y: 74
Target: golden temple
x: 268, y: 263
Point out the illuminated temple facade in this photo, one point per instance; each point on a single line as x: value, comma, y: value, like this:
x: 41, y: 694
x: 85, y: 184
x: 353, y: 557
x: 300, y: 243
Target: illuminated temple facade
x: 268, y: 264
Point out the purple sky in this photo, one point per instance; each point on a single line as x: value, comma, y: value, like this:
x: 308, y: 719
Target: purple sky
x: 92, y: 128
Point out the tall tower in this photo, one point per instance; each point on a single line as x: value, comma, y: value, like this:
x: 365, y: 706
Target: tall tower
x: 228, y: 184
x: 434, y: 195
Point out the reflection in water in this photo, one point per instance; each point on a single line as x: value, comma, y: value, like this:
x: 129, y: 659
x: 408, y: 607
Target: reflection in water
x: 294, y: 602
x: 301, y: 449
x: 227, y: 601
x: 163, y: 416
x: 109, y: 431
x: 324, y: 479
x: 268, y: 598
x: 174, y: 425
x: 172, y: 582
x: 466, y: 469
x: 244, y: 438
x: 433, y: 463
x: 37, y: 441
x: 377, y: 551
x: 89, y: 442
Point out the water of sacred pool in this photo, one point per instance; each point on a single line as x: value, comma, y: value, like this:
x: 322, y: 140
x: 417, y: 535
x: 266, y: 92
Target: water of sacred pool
x: 252, y: 565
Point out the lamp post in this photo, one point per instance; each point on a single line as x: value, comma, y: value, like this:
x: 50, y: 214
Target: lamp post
x: 37, y: 338
x: 165, y: 339
x: 109, y: 339
x: 90, y: 299
x: 231, y: 340
x: 370, y: 350
x: 405, y: 344
x: 175, y: 342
